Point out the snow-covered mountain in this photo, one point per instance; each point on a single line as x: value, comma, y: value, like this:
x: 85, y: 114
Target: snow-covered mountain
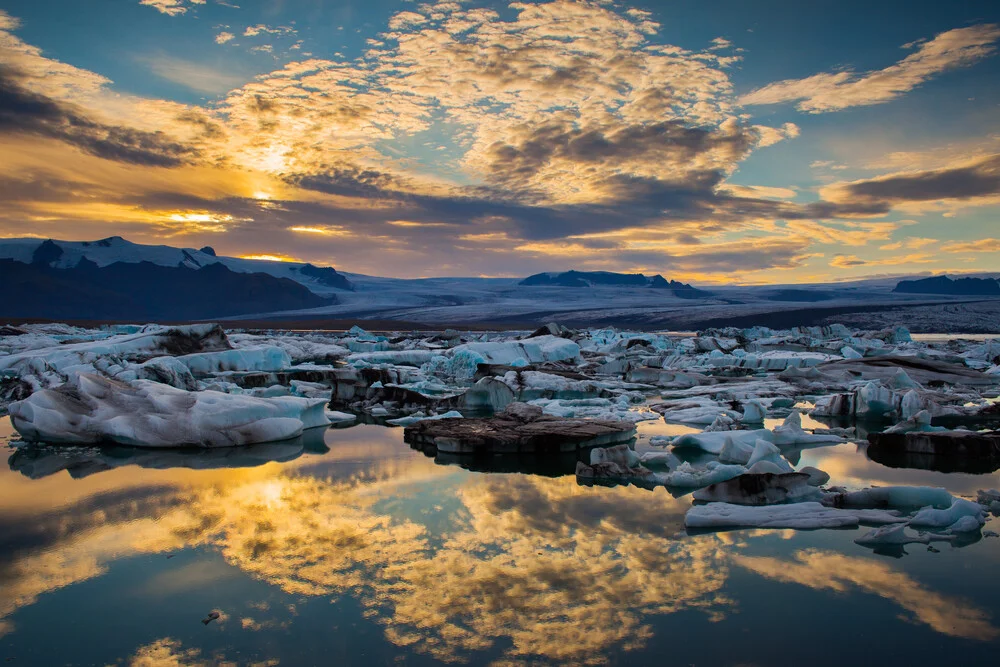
x: 601, y: 299
x: 67, y: 254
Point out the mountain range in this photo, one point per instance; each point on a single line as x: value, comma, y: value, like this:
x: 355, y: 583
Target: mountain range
x: 114, y: 279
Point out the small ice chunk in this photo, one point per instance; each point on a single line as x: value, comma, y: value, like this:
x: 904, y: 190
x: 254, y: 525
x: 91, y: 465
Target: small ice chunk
x: 420, y: 416
x: 690, y: 477
x: 920, y: 422
x: 722, y: 422
x: 817, y: 477
x: 967, y: 524
x: 735, y: 451
x: 753, y: 412
x: 622, y: 455
x: 338, y: 417
x: 848, y: 352
x: 930, y: 517
x: 766, y: 451
x: 791, y: 433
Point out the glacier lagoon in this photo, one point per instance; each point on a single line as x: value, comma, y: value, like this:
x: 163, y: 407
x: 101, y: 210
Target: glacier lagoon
x: 358, y: 541
x: 347, y: 544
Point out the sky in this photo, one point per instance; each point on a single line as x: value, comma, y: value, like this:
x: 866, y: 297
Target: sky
x: 710, y: 141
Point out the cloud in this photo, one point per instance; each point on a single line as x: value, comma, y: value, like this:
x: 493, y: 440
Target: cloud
x: 599, y: 146
x: 826, y: 570
x: 841, y: 261
x: 970, y: 182
x: 26, y: 112
x: 171, y: 7
x: 254, y: 30
x: 836, y: 91
x: 8, y: 22
x: 192, y: 74
x: 982, y: 245
x: 224, y: 37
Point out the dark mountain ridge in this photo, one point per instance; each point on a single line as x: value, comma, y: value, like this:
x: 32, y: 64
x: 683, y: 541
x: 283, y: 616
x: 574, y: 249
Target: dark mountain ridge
x: 608, y: 278
x: 145, y: 291
x: 945, y: 285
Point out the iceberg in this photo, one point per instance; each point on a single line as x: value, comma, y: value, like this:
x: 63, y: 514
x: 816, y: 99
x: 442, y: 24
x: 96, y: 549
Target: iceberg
x: 900, y: 497
x: 420, y: 416
x: 760, y: 489
x: 791, y: 433
x: 713, y: 441
x: 689, y: 477
x: 532, y: 351
x: 90, y: 409
x: 930, y: 517
x: 265, y: 358
x: 753, y: 412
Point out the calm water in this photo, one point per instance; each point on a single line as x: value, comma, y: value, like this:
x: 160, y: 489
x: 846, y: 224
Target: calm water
x: 349, y: 548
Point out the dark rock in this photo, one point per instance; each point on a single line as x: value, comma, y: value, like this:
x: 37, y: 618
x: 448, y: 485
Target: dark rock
x: 757, y: 489
x: 519, y: 428
x: 208, y: 250
x: 945, y: 451
x: 46, y: 253
x: 602, y: 278
x: 8, y: 330
x: 552, y: 329
x: 326, y: 275
x: 928, y: 372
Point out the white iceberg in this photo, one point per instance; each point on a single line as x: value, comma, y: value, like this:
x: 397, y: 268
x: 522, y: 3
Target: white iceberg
x: 532, y: 351
x: 689, y: 477
x: 791, y: 433
x: 90, y: 409
x: 930, y: 517
x: 420, y: 416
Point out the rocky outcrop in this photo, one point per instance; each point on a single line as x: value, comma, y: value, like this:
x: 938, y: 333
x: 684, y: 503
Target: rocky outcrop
x: 519, y: 428
x: 946, y: 451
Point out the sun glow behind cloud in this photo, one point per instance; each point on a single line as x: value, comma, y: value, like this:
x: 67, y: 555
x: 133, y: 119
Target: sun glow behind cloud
x: 564, y: 147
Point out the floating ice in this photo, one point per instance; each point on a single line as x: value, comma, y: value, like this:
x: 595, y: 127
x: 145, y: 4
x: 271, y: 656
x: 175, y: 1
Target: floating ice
x: 713, y: 442
x: 753, y: 412
x: 420, y: 416
x: 930, y: 517
x: 901, y: 497
x: 690, y: 477
x: 920, y: 422
x: 269, y: 358
x: 90, y: 409
x: 760, y: 489
x: 533, y: 350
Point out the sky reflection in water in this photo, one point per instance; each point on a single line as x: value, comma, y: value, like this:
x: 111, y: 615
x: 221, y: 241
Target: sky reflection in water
x: 371, y: 553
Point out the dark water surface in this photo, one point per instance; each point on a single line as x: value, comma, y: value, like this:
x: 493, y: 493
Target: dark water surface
x: 349, y: 548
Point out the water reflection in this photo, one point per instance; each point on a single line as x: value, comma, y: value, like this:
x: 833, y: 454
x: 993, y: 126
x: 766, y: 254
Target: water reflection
x: 37, y: 461
x: 825, y: 570
x: 451, y: 565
